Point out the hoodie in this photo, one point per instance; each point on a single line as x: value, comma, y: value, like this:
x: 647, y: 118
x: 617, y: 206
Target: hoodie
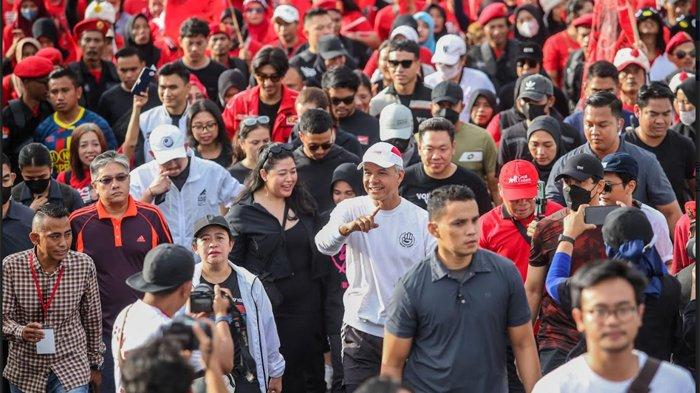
x: 535, y: 11
x: 349, y: 173
x: 314, y: 174
x: 490, y: 97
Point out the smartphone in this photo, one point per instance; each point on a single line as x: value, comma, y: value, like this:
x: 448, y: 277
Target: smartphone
x: 145, y: 78
x: 596, y: 214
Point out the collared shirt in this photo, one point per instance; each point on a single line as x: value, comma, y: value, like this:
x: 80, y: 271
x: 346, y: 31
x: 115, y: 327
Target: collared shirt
x: 418, y: 102
x: 458, y: 325
x: 475, y: 150
x: 75, y: 316
x: 16, y: 226
x: 118, y: 247
x: 57, y: 192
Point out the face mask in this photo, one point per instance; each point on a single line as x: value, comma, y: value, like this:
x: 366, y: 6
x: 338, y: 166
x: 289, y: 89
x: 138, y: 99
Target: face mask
x: 687, y: 118
x: 401, y: 144
x: 37, y: 186
x: 528, y: 29
x: 690, y: 248
x: 29, y: 14
x: 449, y: 114
x: 6, y: 191
x: 533, y: 110
x: 448, y: 71
x: 575, y: 196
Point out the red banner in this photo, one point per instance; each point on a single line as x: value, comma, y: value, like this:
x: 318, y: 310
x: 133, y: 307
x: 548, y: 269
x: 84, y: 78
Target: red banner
x: 177, y: 11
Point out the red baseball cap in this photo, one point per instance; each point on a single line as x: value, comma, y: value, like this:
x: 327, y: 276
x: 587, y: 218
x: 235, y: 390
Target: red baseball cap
x: 518, y: 180
x: 680, y: 38
x: 491, y: 12
x: 220, y: 28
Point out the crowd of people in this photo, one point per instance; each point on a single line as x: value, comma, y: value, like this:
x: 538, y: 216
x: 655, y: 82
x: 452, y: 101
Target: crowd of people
x: 349, y: 196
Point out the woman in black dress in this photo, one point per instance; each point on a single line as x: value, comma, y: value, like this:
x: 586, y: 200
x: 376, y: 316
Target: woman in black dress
x: 274, y: 223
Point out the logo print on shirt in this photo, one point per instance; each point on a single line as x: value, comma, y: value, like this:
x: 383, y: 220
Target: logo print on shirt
x: 407, y: 239
x: 141, y: 239
x: 202, y: 198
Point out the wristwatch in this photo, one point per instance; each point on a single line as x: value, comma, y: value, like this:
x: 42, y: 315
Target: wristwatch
x: 564, y: 238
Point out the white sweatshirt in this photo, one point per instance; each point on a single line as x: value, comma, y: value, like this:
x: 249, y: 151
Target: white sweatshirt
x: 377, y: 259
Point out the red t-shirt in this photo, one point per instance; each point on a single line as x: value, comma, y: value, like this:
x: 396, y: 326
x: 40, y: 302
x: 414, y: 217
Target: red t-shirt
x: 556, y: 51
x: 83, y: 186
x: 680, y: 237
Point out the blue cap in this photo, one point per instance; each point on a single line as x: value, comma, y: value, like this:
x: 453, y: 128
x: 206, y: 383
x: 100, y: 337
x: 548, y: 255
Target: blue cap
x: 621, y: 163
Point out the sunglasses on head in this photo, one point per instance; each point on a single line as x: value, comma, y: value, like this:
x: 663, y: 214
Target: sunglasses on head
x: 253, y: 120
x: 324, y: 146
x: 345, y: 100
x: 273, y: 77
x: 681, y: 54
x: 275, y: 149
x: 403, y: 63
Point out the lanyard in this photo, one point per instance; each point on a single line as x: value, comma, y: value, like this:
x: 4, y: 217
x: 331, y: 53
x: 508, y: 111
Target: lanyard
x: 45, y: 304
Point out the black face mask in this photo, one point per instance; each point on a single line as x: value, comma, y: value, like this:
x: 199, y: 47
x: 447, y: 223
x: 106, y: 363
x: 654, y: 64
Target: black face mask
x: 690, y: 248
x: 6, y: 191
x: 575, y: 196
x: 37, y: 186
x: 532, y: 111
x: 401, y: 144
x: 449, y: 114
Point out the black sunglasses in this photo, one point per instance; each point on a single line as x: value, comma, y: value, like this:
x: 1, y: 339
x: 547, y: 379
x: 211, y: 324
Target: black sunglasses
x: 121, y: 178
x: 273, y: 77
x: 681, y: 54
x: 532, y: 63
x: 275, y: 149
x: 404, y: 63
x: 324, y: 146
x: 345, y: 100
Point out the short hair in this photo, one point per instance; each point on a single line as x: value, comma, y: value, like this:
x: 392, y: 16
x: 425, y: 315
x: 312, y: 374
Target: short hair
x: 34, y: 154
x: 592, y: 274
x: 654, y: 90
x: 312, y: 13
x: 340, y: 78
x: 625, y: 178
x: 315, y: 121
x: 436, y: 124
x: 65, y: 73
x: 603, y: 99
x: 6, y: 161
x: 105, y: 159
x: 438, y: 198
x: 128, y: 51
x: 76, y: 165
x: 314, y: 95
x: 603, y: 69
x: 274, y: 57
x: 175, y: 68
x: 51, y: 210
x: 404, y: 45
x: 193, y: 27
x: 157, y: 367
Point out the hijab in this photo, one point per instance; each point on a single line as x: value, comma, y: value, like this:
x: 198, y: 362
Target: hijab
x: 427, y: 19
x: 545, y: 170
x: 149, y: 52
x: 541, y: 35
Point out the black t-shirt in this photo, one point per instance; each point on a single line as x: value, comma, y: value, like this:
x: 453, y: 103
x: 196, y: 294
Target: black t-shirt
x: 209, y: 76
x: 363, y: 126
x: 676, y: 154
x: 239, y: 172
x: 417, y: 185
x: 18, y: 128
x: 115, y: 107
x: 269, y: 110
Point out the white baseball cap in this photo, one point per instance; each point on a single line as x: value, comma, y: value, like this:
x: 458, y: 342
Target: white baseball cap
x: 449, y: 49
x: 677, y: 79
x: 383, y: 154
x: 627, y: 56
x: 408, y: 32
x: 101, y: 10
x: 395, y: 121
x: 287, y: 13
x: 167, y: 143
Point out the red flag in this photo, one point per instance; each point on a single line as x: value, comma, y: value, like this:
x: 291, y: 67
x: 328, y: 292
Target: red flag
x: 177, y: 11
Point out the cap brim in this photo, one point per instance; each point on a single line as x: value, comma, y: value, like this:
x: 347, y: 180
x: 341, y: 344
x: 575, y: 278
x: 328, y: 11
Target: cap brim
x: 513, y: 194
x: 627, y: 63
x: 444, y: 58
x: 446, y: 98
x: 533, y: 95
x: 226, y: 228
x: 382, y: 163
x: 577, y: 175
x: 137, y: 282
x: 286, y: 20
x: 391, y: 133
x: 333, y: 54
x: 164, y: 156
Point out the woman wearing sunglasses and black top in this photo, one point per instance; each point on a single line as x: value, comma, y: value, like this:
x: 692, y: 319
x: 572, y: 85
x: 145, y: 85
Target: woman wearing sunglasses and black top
x: 274, y: 222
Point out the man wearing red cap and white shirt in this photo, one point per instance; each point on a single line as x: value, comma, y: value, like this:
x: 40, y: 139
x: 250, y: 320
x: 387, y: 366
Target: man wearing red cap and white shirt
x: 633, y: 66
x: 286, y: 24
x: 450, y: 59
x: 385, y: 235
x: 496, y: 57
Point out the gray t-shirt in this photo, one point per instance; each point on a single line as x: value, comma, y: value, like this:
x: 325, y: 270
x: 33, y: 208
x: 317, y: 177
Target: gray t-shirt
x: 459, y: 329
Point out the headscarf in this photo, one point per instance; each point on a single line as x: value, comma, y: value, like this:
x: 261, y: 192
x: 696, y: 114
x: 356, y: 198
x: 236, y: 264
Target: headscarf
x: 490, y: 97
x: 545, y: 170
x: 24, y: 24
x: 149, y: 52
x: 427, y: 19
x: 22, y: 43
x: 259, y: 31
x: 541, y: 35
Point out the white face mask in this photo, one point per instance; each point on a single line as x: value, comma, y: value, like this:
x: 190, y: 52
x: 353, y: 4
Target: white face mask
x: 448, y: 71
x: 529, y: 29
x: 687, y: 118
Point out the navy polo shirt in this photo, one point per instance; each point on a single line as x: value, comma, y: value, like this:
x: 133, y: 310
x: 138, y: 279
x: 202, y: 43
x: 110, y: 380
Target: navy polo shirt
x: 16, y: 226
x: 458, y: 327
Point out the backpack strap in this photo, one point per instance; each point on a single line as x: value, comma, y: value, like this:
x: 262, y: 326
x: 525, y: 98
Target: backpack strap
x: 646, y: 375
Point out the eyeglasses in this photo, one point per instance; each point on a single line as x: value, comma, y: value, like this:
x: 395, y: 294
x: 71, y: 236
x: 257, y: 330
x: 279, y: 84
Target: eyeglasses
x: 607, y: 188
x: 324, y: 146
x: 209, y: 126
x: 403, y: 63
x: 255, y: 120
x: 345, y: 100
x: 622, y: 313
x: 681, y: 54
x: 275, y: 149
x: 273, y: 77
x: 255, y: 10
x: 121, y: 178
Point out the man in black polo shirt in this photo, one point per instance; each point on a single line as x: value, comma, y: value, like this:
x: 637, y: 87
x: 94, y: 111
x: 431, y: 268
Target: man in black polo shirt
x: 452, y: 315
x: 407, y: 87
x: 16, y: 218
x: 193, y: 40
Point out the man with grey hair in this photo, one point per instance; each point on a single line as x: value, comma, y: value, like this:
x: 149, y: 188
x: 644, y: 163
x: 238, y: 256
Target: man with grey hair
x: 117, y: 231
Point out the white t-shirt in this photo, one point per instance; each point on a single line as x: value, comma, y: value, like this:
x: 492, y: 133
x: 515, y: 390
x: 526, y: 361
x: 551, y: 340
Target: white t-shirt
x: 377, y: 259
x: 663, y: 244
x: 576, y: 376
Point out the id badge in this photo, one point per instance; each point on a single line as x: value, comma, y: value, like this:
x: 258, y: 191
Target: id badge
x: 47, y: 345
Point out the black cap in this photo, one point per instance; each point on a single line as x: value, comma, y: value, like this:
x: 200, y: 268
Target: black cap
x: 447, y: 91
x: 166, y: 266
x: 625, y: 224
x: 621, y: 163
x: 330, y: 46
x: 529, y: 50
x: 536, y: 87
x: 581, y: 167
x: 546, y: 123
x: 209, y: 220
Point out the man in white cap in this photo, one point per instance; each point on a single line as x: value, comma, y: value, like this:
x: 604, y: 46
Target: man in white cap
x: 183, y: 186
x: 450, y: 59
x: 633, y: 67
x: 286, y: 22
x: 385, y: 235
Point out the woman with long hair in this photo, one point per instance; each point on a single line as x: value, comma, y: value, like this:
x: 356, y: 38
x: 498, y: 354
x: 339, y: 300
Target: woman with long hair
x: 206, y: 133
x: 274, y: 223
x: 87, y: 142
x: 253, y: 133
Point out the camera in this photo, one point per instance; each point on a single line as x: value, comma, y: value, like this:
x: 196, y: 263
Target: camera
x: 202, y: 299
x: 180, y: 331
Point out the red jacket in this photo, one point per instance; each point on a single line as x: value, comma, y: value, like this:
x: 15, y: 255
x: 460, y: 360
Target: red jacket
x: 245, y: 104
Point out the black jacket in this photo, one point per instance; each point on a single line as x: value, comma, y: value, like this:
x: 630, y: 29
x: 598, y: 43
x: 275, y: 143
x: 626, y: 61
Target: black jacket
x: 259, y: 243
x: 501, y: 71
x: 92, y: 91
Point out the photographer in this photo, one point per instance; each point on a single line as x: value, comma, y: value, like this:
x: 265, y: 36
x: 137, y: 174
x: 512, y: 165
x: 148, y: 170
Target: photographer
x: 251, y: 320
